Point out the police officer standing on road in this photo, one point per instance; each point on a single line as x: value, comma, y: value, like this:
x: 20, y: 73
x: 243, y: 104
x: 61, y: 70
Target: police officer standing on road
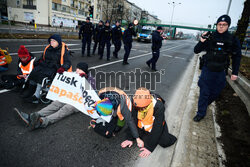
x: 156, y: 45
x: 97, y: 36
x: 116, y: 38
x: 86, y: 31
x: 105, y: 39
x: 218, y: 46
x: 127, y: 41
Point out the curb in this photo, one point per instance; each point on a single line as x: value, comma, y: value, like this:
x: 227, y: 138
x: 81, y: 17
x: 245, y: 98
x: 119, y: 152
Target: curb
x: 242, y: 87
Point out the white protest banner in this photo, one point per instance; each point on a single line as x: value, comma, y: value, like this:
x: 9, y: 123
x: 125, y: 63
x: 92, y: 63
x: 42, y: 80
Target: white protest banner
x: 72, y: 89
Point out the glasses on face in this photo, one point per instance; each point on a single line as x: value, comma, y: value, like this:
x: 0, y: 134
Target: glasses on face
x: 222, y: 25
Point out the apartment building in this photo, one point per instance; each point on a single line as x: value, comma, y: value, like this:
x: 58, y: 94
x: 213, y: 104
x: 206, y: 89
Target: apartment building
x: 70, y: 13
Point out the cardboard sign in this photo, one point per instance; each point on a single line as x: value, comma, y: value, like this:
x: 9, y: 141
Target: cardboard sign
x: 72, y: 89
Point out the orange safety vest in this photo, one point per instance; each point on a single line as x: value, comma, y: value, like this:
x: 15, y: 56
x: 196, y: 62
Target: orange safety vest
x: 62, y: 54
x: 120, y: 92
x: 26, y: 70
x: 3, y: 60
x: 148, y: 121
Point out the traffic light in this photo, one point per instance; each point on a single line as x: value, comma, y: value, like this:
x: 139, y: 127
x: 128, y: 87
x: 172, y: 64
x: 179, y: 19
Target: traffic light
x: 91, y: 11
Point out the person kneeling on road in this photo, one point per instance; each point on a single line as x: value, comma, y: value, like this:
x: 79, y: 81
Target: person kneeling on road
x: 56, y: 110
x: 25, y: 66
x: 114, y: 102
x: 55, y: 59
x: 148, y: 112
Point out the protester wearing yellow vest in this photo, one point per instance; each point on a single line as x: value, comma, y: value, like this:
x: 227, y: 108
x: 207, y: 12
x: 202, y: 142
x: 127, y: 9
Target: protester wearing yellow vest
x: 54, y: 59
x: 25, y: 66
x: 148, y: 112
x: 114, y: 102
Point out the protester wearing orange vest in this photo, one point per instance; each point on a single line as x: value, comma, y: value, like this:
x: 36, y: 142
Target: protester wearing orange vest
x: 148, y: 112
x: 54, y: 59
x: 3, y: 62
x: 25, y: 66
x: 114, y: 102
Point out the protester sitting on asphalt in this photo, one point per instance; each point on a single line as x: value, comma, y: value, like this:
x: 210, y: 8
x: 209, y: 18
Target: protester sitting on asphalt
x: 56, y: 110
x: 55, y: 58
x: 218, y: 46
x: 3, y: 61
x: 148, y: 112
x: 25, y: 66
x: 114, y: 102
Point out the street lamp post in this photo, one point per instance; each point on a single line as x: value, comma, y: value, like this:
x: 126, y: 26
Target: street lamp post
x: 173, y: 4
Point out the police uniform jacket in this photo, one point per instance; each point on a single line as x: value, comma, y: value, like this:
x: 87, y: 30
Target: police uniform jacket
x: 156, y: 40
x: 218, y: 49
x: 116, y: 33
x: 106, y: 33
x: 127, y: 37
x: 86, y: 29
x: 97, y: 33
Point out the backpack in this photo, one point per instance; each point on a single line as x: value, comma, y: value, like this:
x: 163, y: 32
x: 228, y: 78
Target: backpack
x: 7, y: 55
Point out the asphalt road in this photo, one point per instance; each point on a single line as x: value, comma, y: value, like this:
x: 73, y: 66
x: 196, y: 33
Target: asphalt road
x: 69, y: 142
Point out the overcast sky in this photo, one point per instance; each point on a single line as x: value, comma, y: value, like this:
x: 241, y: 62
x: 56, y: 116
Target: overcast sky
x: 192, y: 12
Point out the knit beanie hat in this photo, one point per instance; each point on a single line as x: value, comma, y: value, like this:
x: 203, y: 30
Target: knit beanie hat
x: 83, y: 66
x: 23, y: 52
x: 159, y: 28
x: 104, y: 107
x: 225, y: 18
x: 56, y: 37
x: 142, y: 97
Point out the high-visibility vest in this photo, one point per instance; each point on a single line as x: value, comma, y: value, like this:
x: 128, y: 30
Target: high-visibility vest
x: 62, y: 54
x: 122, y: 95
x: 26, y: 70
x: 148, y: 121
x: 3, y: 60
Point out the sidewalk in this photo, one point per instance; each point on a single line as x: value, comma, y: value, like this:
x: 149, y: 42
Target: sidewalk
x: 197, y: 141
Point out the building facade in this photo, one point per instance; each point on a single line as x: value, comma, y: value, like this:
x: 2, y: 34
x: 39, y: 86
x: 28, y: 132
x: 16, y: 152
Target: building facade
x: 68, y: 13
x: 71, y: 13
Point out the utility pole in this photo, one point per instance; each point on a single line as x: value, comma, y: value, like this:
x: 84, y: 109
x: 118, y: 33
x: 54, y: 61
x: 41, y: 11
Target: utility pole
x: 173, y: 4
x: 229, y: 5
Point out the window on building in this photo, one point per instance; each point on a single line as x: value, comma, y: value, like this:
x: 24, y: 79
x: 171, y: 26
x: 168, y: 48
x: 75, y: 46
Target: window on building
x: 18, y: 3
x: 64, y: 0
x: 30, y: 2
x: 63, y: 8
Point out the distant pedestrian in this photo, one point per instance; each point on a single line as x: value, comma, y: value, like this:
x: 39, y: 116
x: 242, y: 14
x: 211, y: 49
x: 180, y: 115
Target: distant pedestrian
x: 105, y: 39
x: 116, y: 38
x: 61, y: 24
x: 156, y: 45
x: 86, y: 32
x: 127, y: 41
x: 218, y: 46
x: 97, y: 37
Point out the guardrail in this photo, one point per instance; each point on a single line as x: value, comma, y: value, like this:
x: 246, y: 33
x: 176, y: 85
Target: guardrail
x: 242, y: 87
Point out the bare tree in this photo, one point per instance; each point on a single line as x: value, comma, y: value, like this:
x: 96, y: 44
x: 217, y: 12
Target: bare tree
x: 113, y: 10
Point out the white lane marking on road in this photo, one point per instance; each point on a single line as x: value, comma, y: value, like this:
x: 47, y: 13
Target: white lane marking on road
x: 167, y: 55
x: 102, y: 65
x: 179, y: 58
x: 30, y: 46
x: 4, y: 90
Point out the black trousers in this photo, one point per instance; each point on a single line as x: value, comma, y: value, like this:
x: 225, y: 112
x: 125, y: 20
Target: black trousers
x: 127, y: 48
x: 11, y: 81
x: 154, y: 59
x: 86, y: 40
x: 117, y: 44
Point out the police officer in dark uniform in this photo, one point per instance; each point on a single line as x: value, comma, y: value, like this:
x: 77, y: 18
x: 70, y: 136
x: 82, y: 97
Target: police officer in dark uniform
x: 127, y: 41
x: 116, y: 38
x: 218, y: 46
x: 106, y: 33
x: 156, y: 45
x: 86, y: 32
x: 97, y: 36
